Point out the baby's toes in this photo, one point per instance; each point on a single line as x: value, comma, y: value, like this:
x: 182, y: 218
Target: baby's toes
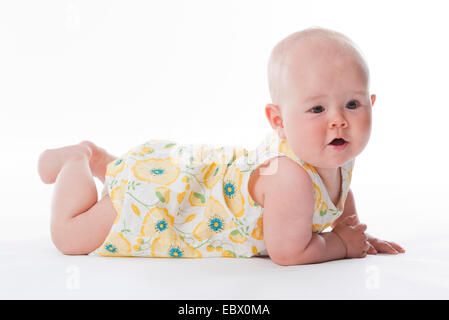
x: 98, y: 154
x: 90, y: 145
x: 99, y: 159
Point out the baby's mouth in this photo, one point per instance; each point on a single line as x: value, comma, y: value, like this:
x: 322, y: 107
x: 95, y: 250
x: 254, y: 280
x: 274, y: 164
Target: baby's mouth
x: 338, y: 142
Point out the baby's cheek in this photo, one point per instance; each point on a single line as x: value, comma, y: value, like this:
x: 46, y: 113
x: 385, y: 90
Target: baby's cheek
x: 366, y: 119
x: 306, y: 138
x: 366, y: 127
x: 305, y: 146
x: 362, y: 132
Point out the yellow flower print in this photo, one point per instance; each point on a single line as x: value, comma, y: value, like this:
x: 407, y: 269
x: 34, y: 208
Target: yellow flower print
x: 163, y: 194
x: 309, y: 167
x: 136, y: 247
x: 323, y: 209
x: 173, y: 247
x: 344, y: 199
x: 285, y: 148
x: 251, y: 202
x: 232, y: 184
x: 258, y: 231
x: 145, y: 150
x: 228, y: 254
x: 180, y: 196
x: 349, y: 176
x: 326, y: 225
x: 160, y: 171
x: 114, y: 167
x: 212, y: 174
x: 190, y: 218
x: 201, y: 153
x: 156, y: 222
x: 274, y: 136
x: 237, y: 237
x: 318, y: 195
x: 254, y: 250
x: 197, y: 199
x: 115, y: 246
x: 238, y: 152
x: 135, y: 209
x: 214, y: 171
x: 318, y: 227
x: 117, y: 195
x: 216, y: 220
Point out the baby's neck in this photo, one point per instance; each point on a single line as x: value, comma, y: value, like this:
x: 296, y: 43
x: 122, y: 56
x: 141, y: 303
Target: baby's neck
x: 328, y: 175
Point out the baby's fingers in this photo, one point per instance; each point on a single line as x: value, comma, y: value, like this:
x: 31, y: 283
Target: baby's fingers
x: 365, y: 250
x: 360, y: 227
x: 397, y: 247
x: 371, y: 249
x: 385, y: 247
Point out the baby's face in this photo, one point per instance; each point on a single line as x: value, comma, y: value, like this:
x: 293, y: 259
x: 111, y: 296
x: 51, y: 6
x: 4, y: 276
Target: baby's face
x: 326, y: 97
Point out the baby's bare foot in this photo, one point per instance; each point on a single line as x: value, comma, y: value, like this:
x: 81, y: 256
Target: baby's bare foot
x: 51, y: 160
x: 99, y: 160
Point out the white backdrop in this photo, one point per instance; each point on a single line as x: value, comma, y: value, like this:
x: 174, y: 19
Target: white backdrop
x: 122, y: 72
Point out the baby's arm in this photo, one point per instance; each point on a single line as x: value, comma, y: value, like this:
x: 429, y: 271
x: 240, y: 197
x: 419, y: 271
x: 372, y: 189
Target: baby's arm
x: 377, y: 245
x: 287, y: 223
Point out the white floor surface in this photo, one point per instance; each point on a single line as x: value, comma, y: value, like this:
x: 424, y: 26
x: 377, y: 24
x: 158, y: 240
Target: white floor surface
x: 32, y: 268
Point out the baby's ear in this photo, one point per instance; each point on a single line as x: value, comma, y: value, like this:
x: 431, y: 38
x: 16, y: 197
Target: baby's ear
x: 274, y: 116
x: 373, y: 99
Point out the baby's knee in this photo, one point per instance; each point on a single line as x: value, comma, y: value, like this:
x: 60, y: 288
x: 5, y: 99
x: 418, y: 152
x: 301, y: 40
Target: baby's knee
x: 65, y: 241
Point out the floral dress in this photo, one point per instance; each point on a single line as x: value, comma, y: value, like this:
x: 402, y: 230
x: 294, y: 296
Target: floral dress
x: 192, y: 201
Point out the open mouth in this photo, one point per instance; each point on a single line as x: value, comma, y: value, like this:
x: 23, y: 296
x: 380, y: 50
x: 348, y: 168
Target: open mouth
x: 338, y: 142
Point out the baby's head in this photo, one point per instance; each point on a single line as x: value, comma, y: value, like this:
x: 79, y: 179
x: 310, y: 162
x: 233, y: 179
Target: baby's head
x: 319, y: 86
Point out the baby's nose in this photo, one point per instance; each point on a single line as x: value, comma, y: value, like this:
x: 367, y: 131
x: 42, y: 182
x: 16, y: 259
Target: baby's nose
x: 338, y: 121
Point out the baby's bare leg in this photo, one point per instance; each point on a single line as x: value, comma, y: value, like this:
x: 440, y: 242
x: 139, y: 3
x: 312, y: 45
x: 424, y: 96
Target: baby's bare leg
x: 79, y: 224
x: 99, y: 160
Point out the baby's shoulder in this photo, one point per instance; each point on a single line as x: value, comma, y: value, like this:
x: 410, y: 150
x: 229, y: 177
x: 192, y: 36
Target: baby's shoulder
x: 280, y: 177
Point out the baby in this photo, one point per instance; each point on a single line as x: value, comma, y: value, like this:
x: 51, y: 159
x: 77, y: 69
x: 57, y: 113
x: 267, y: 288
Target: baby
x: 164, y: 199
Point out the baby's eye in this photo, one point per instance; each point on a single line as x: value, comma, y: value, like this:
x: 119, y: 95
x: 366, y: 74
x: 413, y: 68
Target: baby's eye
x: 352, y: 104
x: 317, y: 109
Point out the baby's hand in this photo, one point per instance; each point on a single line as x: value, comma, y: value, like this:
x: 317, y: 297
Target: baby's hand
x: 353, y: 237
x: 381, y: 246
